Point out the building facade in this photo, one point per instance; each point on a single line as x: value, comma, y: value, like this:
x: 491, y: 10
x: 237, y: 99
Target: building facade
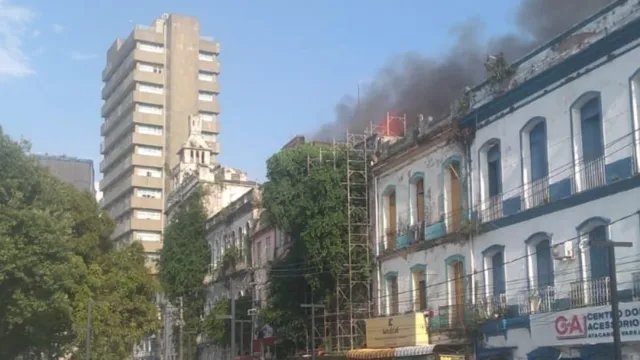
x: 71, y: 170
x: 230, y: 273
x: 269, y: 244
x: 421, y: 215
x: 221, y: 185
x: 554, y: 177
x: 153, y: 81
x: 546, y: 163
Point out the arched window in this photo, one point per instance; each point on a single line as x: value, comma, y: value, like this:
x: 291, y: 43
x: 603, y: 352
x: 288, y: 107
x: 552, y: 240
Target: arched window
x: 390, y: 216
x: 491, y: 180
x: 451, y: 181
x: 594, y: 260
x: 391, y: 285
x: 591, y: 126
x: 540, y: 258
x: 535, y: 163
x: 588, y: 141
x: 494, y: 272
x: 494, y: 171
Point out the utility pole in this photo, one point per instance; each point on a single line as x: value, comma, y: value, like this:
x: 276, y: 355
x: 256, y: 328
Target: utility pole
x: 613, y: 292
x: 181, y: 325
x: 88, y: 340
x: 253, y: 312
x: 231, y: 317
x: 313, y: 326
x: 232, y: 289
x: 165, y: 331
x: 242, y: 322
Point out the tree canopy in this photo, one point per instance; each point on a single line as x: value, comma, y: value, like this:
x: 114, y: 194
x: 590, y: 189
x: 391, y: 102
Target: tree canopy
x: 185, y: 258
x: 218, y: 330
x: 55, y: 256
x: 308, y: 201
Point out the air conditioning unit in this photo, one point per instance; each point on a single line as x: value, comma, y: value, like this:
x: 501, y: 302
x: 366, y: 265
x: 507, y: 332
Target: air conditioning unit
x: 563, y: 251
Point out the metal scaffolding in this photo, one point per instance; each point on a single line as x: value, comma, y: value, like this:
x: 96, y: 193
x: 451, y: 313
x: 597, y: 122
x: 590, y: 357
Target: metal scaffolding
x: 342, y: 326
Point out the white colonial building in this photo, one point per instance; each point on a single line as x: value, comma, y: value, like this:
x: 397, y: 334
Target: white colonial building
x: 230, y: 272
x: 551, y: 144
x: 421, y: 216
x: 196, y: 168
x: 554, y: 176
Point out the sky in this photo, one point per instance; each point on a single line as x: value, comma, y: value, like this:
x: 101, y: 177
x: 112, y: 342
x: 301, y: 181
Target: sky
x: 285, y: 64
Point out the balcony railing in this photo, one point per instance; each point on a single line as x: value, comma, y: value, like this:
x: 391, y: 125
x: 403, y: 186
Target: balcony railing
x: 635, y: 288
x: 537, y: 193
x: 569, y: 180
x: 493, y: 209
x: 589, y: 292
x: 456, y: 223
x: 592, y: 174
x: 578, y: 294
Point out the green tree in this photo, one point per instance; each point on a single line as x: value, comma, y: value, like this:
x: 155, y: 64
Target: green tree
x: 218, y: 330
x: 185, y: 258
x: 115, y: 280
x: 55, y: 256
x: 309, y: 204
x: 38, y: 267
x: 123, y: 312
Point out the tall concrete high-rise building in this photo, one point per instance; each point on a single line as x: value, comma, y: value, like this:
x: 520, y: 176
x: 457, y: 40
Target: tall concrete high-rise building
x: 153, y: 81
x: 74, y: 171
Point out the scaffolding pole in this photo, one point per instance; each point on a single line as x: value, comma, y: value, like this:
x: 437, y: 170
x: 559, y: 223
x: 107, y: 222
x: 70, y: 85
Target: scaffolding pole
x: 344, y: 327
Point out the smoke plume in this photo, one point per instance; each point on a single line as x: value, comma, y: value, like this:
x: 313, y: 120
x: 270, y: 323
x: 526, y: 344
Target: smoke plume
x: 413, y: 84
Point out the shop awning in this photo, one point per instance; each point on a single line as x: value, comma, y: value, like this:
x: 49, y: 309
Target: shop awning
x: 487, y: 353
x: 369, y: 354
x: 414, y: 350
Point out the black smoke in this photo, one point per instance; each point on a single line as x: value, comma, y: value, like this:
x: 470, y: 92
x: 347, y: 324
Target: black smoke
x: 414, y: 84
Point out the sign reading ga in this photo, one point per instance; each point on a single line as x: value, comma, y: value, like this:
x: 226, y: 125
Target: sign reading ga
x: 397, y: 331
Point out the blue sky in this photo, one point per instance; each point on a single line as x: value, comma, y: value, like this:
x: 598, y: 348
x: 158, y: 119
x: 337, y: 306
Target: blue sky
x: 285, y: 63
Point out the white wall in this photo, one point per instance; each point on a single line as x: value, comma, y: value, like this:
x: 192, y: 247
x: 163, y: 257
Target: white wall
x: 436, y: 276
x: 219, y: 238
x: 430, y: 164
x: 562, y: 226
x: 611, y: 81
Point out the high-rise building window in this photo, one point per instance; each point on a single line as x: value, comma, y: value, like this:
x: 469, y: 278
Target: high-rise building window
x: 148, y: 67
x: 207, y: 116
x: 150, y: 47
x: 150, y: 88
x: 149, y: 129
x: 149, y: 109
x: 149, y: 150
x: 206, y: 76
x: 149, y: 193
x: 148, y: 215
x: 206, y: 56
x: 147, y: 236
x: 206, y: 96
x: 209, y: 136
x: 148, y: 172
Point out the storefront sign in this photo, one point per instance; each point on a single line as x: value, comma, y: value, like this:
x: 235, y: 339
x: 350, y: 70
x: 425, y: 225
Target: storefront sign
x: 397, y: 331
x: 590, y: 325
x: 452, y: 357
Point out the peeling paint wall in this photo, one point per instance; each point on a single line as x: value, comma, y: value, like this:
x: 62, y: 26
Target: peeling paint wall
x: 565, y: 45
x: 429, y: 164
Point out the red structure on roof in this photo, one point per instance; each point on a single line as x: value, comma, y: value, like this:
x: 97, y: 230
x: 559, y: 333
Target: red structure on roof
x: 392, y: 125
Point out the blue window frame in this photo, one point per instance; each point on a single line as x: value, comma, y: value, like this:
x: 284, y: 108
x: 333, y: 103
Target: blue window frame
x: 591, y: 127
x: 598, y: 256
x: 538, y: 151
x: 497, y: 264
x: 494, y: 170
x: 544, y: 264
